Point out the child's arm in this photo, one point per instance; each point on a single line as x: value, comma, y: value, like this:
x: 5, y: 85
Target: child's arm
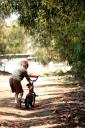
x: 28, y: 79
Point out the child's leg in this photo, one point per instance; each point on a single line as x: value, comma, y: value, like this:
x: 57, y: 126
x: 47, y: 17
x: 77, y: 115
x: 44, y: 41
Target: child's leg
x: 19, y: 99
x: 16, y: 98
x: 20, y: 95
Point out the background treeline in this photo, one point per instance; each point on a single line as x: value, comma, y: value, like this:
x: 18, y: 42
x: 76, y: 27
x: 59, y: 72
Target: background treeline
x: 57, y: 28
x: 12, y: 38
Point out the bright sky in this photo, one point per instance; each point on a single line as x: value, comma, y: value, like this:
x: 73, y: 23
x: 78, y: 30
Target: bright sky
x: 11, y: 18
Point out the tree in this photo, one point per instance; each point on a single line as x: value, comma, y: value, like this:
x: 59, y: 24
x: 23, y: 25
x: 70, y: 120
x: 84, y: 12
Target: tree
x: 55, y: 25
x: 13, y: 38
x: 2, y: 36
x: 16, y: 39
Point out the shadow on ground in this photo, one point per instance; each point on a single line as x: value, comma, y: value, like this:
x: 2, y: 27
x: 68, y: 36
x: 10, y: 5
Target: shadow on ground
x: 71, y: 112
x: 39, y: 116
x: 65, y: 111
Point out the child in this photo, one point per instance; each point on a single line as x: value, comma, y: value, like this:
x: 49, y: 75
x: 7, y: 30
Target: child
x: 15, y: 81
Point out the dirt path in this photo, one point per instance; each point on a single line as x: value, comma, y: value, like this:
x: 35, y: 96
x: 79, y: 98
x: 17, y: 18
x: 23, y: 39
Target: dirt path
x: 51, y: 94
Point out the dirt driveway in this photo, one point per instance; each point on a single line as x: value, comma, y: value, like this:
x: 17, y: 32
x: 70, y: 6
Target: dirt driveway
x: 52, y: 94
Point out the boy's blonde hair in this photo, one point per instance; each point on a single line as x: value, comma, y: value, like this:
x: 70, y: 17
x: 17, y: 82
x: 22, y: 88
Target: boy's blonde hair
x: 24, y: 63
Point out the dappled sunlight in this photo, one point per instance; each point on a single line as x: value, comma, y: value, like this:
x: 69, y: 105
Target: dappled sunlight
x: 55, y: 104
x: 35, y: 117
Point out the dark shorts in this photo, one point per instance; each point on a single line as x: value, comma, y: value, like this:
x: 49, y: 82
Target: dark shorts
x: 15, y: 86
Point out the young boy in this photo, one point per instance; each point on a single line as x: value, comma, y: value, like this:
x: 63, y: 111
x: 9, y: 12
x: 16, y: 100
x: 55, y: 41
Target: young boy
x: 15, y: 81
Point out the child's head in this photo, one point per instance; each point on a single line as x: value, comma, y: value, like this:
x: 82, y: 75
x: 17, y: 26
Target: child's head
x: 24, y: 63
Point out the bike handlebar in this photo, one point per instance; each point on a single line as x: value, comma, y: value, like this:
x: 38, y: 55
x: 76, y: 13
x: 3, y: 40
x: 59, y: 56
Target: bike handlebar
x: 34, y: 80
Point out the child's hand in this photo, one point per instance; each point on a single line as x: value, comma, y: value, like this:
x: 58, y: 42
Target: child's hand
x: 27, y: 85
x: 37, y: 76
x: 30, y: 83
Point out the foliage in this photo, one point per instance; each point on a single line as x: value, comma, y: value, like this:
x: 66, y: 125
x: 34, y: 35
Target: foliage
x: 12, y: 38
x: 2, y: 36
x: 16, y: 40
x: 57, y: 26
